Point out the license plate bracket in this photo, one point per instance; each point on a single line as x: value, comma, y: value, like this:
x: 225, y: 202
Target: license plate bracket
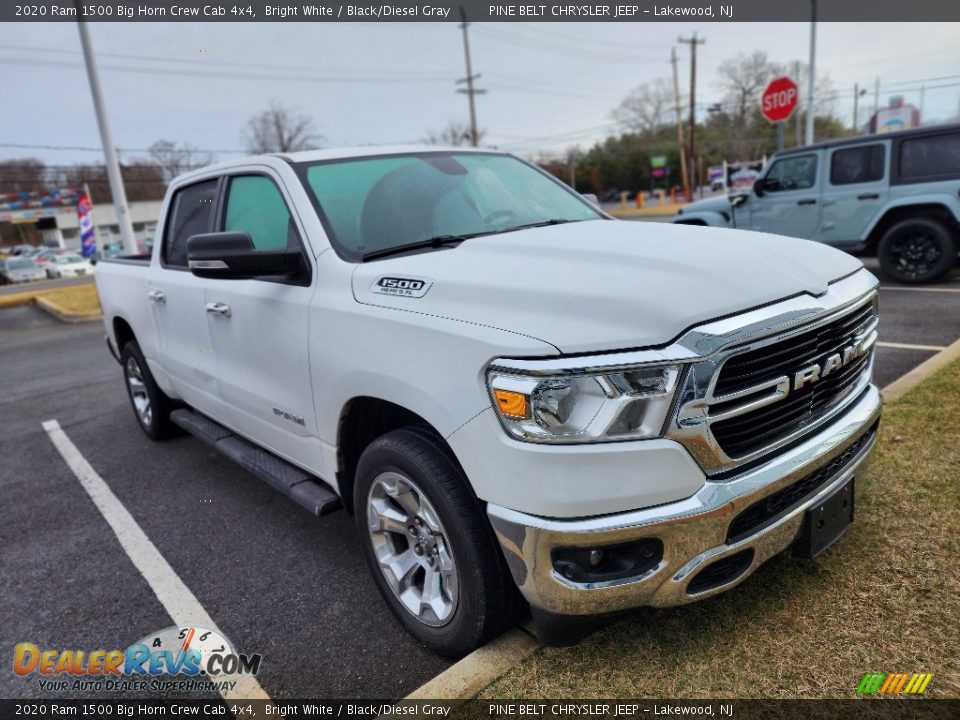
x: 825, y: 522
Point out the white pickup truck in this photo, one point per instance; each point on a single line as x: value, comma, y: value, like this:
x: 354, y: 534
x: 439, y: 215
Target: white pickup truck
x: 507, y: 388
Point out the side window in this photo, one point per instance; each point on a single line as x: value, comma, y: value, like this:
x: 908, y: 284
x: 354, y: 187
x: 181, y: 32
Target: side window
x: 937, y: 155
x: 792, y: 173
x: 256, y: 207
x: 857, y: 165
x: 191, y: 213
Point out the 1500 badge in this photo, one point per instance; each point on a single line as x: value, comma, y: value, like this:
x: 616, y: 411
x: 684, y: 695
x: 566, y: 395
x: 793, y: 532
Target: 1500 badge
x: 403, y: 286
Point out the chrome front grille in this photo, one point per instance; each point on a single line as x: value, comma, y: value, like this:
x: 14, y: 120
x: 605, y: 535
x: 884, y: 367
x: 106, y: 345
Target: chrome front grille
x: 743, y: 434
x: 761, y: 387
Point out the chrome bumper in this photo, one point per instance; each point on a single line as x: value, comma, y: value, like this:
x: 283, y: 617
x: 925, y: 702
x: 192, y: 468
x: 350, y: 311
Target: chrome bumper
x: 693, y: 531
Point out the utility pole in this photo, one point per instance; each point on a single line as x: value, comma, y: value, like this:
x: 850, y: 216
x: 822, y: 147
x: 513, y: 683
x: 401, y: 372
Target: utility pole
x: 692, y: 154
x: 812, y: 80
x: 106, y: 138
x: 676, y: 101
x: 470, y: 90
x: 798, y: 115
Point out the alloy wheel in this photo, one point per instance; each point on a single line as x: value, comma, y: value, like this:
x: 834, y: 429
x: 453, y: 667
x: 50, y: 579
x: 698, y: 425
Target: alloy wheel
x: 138, y: 392
x: 412, y: 548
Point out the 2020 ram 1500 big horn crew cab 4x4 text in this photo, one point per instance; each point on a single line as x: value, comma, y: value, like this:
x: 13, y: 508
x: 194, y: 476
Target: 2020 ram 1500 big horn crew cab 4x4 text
x: 507, y: 388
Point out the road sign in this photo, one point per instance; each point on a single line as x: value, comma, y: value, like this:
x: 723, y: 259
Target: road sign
x: 779, y: 99
x: 658, y: 161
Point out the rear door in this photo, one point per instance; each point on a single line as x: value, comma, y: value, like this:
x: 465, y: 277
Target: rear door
x: 176, y: 296
x: 790, y: 201
x: 858, y: 185
x: 258, y: 327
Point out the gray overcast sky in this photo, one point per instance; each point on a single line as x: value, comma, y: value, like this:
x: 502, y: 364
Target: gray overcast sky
x: 550, y: 85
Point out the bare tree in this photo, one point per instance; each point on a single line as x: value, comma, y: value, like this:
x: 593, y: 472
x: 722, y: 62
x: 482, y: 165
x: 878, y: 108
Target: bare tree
x: 456, y: 133
x: 174, y: 159
x: 278, y: 129
x: 647, y: 108
x: 743, y: 78
x: 23, y: 175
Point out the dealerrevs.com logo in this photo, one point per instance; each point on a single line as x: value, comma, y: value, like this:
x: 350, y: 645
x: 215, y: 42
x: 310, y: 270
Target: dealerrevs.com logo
x: 894, y: 683
x: 205, y: 657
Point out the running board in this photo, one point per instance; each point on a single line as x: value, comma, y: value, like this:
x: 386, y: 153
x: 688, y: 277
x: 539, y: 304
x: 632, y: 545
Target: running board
x: 303, y: 488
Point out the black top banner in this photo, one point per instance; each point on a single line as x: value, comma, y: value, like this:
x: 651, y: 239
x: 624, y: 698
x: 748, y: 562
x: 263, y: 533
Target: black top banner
x: 484, y: 11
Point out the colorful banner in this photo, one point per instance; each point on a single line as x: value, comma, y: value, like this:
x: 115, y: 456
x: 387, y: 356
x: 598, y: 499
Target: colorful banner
x: 88, y: 240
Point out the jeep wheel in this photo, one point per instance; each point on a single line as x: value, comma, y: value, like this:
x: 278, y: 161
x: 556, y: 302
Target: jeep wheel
x: 917, y: 250
x: 428, y: 544
x: 150, y: 405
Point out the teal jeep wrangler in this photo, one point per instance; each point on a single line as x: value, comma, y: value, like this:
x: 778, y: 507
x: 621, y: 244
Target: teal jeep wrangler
x: 895, y: 195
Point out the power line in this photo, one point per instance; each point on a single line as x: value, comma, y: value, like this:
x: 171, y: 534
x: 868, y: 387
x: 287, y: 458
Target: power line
x: 228, y: 63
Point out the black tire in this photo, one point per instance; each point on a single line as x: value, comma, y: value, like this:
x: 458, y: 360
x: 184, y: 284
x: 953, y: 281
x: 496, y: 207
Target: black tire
x: 156, y: 423
x: 487, y: 601
x: 917, y: 250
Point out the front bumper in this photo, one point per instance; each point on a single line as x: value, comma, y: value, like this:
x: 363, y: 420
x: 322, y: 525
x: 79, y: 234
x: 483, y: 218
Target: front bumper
x: 694, y: 532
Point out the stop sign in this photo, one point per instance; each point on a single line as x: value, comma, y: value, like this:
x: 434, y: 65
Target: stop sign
x: 779, y: 99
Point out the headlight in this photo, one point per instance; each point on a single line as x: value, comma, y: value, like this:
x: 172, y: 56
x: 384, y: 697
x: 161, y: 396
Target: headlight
x: 626, y: 404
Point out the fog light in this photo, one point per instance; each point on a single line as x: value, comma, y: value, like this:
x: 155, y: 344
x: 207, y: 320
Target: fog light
x: 610, y: 562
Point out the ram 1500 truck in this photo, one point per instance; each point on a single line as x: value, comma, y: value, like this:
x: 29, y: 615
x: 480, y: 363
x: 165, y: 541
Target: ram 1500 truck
x: 508, y: 389
x: 895, y: 195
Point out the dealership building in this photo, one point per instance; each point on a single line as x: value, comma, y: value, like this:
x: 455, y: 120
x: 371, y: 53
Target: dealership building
x: 60, y: 225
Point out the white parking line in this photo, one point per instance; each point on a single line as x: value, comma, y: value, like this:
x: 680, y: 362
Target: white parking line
x: 170, y: 590
x: 909, y: 346
x: 921, y: 289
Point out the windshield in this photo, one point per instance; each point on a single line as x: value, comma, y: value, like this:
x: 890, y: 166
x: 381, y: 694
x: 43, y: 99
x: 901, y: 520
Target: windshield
x: 373, y: 204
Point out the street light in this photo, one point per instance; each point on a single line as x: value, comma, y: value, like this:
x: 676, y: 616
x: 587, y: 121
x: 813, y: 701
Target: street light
x: 857, y: 94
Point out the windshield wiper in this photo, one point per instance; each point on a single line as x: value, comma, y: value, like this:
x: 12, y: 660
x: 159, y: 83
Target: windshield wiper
x: 443, y: 240
x: 540, y: 223
x: 434, y: 242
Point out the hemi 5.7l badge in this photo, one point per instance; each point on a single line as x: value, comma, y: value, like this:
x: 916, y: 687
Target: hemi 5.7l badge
x: 403, y: 286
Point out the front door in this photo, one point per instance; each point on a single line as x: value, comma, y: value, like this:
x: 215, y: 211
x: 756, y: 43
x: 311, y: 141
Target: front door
x: 258, y: 327
x: 789, y: 204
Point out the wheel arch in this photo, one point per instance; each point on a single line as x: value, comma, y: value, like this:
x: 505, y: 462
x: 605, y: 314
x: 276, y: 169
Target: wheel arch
x: 122, y: 333
x: 363, y: 419
x: 934, y: 210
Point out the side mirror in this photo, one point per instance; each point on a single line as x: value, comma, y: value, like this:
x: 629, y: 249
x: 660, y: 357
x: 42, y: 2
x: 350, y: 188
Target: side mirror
x: 758, y: 187
x: 591, y: 198
x: 232, y: 255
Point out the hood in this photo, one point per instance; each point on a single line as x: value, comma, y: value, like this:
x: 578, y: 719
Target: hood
x: 603, y: 285
x: 719, y: 203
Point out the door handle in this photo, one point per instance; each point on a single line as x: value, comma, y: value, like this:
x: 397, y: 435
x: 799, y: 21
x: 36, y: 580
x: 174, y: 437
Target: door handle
x: 807, y: 201
x: 157, y: 296
x: 868, y: 196
x: 218, y: 309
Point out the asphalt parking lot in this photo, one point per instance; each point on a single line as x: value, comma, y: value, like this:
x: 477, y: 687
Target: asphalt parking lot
x: 274, y: 579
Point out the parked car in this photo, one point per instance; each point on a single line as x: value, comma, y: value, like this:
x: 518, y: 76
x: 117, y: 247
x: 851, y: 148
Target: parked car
x: 62, y: 266
x: 506, y: 387
x: 21, y: 269
x: 893, y: 195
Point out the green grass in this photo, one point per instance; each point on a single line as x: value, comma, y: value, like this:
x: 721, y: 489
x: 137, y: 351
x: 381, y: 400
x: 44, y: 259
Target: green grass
x: 885, y: 598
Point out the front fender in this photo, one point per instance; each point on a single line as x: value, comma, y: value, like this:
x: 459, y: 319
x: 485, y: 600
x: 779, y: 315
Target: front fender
x: 712, y: 219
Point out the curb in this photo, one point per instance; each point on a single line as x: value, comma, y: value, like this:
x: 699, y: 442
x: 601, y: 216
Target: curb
x: 16, y: 299
x: 905, y: 383
x: 65, y: 315
x: 467, y: 677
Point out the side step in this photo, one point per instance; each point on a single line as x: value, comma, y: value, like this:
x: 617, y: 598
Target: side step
x: 303, y: 488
